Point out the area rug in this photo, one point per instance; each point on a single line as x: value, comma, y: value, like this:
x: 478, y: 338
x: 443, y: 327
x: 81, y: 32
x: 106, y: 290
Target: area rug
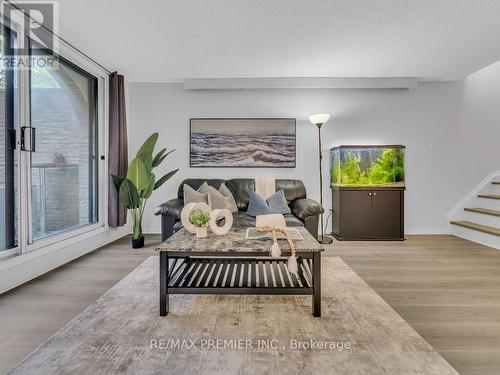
x: 122, y: 332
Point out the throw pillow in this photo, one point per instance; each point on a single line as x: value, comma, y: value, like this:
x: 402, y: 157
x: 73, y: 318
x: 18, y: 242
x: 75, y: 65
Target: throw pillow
x: 275, y: 204
x: 204, y: 188
x: 216, y: 200
x: 227, y: 193
x: 193, y: 196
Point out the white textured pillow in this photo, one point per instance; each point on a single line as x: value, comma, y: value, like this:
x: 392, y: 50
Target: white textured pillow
x: 193, y: 196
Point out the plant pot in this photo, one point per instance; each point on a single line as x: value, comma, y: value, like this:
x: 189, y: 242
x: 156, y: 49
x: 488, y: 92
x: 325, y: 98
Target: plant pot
x: 201, y: 232
x: 138, y: 243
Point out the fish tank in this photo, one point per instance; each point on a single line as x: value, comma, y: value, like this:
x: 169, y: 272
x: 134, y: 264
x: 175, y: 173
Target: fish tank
x: 360, y: 166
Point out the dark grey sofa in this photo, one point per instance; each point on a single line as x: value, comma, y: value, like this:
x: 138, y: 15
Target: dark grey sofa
x: 305, y: 212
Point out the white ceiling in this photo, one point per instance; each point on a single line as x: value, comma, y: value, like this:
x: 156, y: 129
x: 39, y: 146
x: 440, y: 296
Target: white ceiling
x: 164, y: 40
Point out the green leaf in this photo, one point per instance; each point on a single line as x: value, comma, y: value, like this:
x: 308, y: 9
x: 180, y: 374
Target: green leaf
x: 128, y: 194
x: 158, y: 156
x: 117, y: 181
x: 148, y: 162
x: 146, y: 193
x: 165, y: 178
x: 148, y: 146
x: 137, y: 174
x: 157, y: 162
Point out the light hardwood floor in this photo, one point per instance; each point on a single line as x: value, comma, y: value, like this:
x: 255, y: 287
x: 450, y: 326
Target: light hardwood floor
x: 447, y: 288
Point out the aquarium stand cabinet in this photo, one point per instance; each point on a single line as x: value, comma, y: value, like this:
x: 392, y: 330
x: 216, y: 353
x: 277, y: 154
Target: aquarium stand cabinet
x: 368, y: 213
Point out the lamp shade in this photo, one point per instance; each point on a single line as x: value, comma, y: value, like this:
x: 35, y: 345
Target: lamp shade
x: 320, y: 118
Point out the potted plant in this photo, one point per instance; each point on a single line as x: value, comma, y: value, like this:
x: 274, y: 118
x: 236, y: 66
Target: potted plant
x: 200, y: 220
x: 140, y: 182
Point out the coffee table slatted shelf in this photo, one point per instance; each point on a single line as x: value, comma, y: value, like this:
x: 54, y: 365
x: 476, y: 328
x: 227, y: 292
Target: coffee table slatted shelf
x: 203, y: 274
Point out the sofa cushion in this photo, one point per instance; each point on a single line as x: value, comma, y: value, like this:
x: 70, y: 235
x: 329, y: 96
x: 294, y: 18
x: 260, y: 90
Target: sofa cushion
x: 242, y: 189
x: 294, y: 189
x: 242, y: 220
x: 293, y: 221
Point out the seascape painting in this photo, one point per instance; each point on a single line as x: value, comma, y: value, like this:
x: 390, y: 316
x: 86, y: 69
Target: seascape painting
x: 234, y: 142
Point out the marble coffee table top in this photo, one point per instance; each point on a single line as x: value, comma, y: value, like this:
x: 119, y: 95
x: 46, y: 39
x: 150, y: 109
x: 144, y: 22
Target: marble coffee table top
x: 234, y: 241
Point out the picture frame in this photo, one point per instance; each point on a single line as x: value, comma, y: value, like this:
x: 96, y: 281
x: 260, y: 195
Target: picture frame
x: 242, y: 142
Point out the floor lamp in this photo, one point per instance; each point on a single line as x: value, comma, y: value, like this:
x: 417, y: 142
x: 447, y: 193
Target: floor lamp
x: 319, y: 120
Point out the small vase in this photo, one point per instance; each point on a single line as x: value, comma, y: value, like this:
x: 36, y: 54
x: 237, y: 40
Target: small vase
x: 138, y: 243
x: 201, y: 232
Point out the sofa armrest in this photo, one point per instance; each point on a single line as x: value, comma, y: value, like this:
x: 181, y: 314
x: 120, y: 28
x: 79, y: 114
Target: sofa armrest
x: 306, y: 207
x: 173, y: 208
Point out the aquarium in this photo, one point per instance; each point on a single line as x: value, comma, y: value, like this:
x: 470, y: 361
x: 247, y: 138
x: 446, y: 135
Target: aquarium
x: 367, y: 166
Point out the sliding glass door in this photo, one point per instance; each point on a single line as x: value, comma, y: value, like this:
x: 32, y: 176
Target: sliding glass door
x: 9, y: 164
x: 50, y: 140
x: 63, y: 159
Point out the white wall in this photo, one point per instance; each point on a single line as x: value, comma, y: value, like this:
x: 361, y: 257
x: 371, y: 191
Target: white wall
x: 480, y: 123
x: 425, y: 120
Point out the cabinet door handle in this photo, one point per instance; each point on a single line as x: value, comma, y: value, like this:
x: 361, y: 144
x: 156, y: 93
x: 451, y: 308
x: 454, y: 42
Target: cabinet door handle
x: 374, y: 193
x: 370, y: 193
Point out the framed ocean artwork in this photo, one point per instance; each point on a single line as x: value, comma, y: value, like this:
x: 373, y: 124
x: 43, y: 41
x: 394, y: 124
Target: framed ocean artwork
x: 243, y: 142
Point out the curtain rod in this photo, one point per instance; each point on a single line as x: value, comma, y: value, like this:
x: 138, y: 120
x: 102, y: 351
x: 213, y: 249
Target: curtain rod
x: 60, y: 38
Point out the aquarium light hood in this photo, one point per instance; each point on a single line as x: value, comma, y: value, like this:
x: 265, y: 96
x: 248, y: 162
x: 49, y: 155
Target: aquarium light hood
x: 301, y: 83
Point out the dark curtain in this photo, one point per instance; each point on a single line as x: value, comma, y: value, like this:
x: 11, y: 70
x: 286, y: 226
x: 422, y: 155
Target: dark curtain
x: 118, y: 148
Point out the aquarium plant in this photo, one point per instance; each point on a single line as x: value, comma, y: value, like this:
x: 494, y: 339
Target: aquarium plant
x: 139, y: 183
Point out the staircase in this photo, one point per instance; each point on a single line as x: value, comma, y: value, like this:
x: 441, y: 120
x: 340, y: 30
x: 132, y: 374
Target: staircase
x: 477, y: 216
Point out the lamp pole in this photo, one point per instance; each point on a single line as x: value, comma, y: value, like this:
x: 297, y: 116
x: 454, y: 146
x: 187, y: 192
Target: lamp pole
x: 319, y: 120
x: 324, y: 240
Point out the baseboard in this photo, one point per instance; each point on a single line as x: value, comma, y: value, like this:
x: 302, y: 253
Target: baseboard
x: 151, y: 230
x: 431, y: 230
x: 23, y: 268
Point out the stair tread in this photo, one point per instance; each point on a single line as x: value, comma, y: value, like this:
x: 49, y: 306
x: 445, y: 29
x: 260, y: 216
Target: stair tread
x: 489, y: 196
x: 485, y: 211
x: 478, y: 227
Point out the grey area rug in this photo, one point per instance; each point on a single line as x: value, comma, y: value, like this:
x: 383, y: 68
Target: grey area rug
x: 122, y: 332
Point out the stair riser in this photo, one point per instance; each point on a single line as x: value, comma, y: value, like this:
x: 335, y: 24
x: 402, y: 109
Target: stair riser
x: 491, y: 189
x: 492, y: 204
x: 489, y: 220
x: 476, y: 236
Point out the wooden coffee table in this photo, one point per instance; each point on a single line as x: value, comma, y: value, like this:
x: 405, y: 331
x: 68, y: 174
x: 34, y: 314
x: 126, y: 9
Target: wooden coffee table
x: 232, y: 265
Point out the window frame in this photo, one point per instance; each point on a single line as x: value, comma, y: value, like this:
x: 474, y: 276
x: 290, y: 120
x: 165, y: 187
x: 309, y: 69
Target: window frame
x: 14, y: 28
x: 71, y: 236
